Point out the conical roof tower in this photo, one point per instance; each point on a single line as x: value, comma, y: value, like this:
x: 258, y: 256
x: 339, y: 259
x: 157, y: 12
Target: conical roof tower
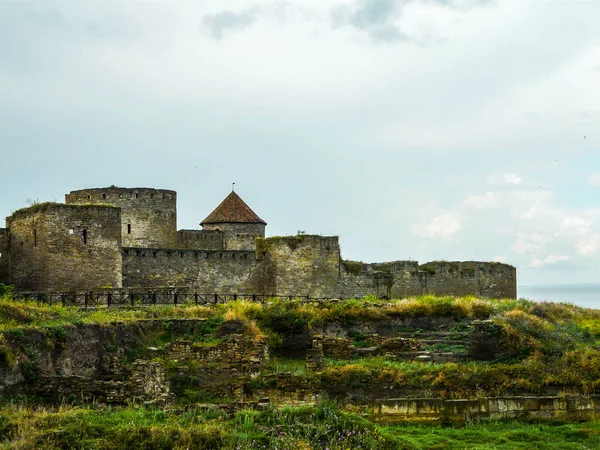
x: 238, y: 223
x: 232, y: 210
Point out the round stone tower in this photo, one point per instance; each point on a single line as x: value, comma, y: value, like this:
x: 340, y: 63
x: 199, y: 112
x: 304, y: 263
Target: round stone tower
x: 148, y: 216
x: 239, y: 224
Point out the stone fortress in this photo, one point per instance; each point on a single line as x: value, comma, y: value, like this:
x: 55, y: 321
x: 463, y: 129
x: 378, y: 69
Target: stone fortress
x: 113, y: 238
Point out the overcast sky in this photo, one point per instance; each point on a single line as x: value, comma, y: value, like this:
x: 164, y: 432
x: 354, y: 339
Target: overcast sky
x: 440, y: 129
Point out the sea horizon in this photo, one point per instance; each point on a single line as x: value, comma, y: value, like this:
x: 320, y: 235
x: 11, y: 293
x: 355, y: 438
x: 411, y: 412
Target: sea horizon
x: 586, y: 295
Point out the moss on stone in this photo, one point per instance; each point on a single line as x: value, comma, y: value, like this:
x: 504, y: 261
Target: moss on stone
x: 353, y: 267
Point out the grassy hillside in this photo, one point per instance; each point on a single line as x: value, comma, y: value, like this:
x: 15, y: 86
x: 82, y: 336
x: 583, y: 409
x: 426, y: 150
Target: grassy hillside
x: 538, y: 348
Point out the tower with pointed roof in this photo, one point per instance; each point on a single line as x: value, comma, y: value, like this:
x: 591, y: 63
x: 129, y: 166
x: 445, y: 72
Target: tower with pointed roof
x: 238, y: 223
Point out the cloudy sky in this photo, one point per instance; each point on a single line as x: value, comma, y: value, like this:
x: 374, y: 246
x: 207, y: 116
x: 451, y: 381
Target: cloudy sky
x: 437, y: 129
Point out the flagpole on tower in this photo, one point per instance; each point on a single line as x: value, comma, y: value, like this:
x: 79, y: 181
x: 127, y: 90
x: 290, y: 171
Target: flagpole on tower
x: 232, y: 187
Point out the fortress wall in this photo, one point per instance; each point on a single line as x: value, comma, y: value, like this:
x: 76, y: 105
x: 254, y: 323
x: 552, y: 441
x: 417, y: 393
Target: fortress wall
x: 4, y: 256
x: 483, y: 279
x: 451, y: 278
x: 207, y: 271
x: 200, y: 239
x: 238, y: 236
x: 400, y: 279
x: 300, y: 265
x: 149, y: 216
x: 396, y: 279
x: 58, y: 247
x: 497, y: 280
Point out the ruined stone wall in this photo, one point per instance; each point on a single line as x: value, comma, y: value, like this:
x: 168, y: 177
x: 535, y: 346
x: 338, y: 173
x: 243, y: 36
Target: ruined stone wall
x: 200, y: 239
x: 4, y: 256
x: 207, y: 271
x: 57, y: 247
x: 300, y: 265
x: 531, y: 407
x: 395, y: 279
x: 399, y: 279
x: 238, y: 236
x: 149, y: 216
x: 483, y: 279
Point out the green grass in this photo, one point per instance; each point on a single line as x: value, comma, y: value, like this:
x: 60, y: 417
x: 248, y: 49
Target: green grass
x: 286, y: 428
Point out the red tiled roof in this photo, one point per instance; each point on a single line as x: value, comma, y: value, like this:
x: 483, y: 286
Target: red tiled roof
x: 233, y: 210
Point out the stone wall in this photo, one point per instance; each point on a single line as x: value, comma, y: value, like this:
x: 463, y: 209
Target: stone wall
x: 200, y: 239
x: 207, y: 271
x: 149, y: 216
x: 4, y: 256
x: 460, y: 410
x: 395, y: 279
x: 300, y: 265
x: 57, y: 247
x: 238, y: 236
x: 399, y: 279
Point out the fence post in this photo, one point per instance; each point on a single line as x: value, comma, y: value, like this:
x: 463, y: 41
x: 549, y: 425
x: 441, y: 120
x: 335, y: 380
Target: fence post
x: 86, y: 300
x: 154, y: 298
x: 234, y: 296
x: 196, y: 298
x: 62, y: 298
x: 253, y: 297
x: 108, y: 299
x: 216, y: 298
x: 175, y: 298
x: 131, y: 297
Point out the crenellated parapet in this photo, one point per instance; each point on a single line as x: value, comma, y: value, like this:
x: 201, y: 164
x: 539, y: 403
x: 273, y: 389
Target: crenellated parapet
x: 148, y: 216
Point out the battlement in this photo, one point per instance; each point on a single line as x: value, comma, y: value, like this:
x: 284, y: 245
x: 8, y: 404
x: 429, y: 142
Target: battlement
x: 120, y: 194
x: 149, y: 216
x: 59, y: 208
x: 201, y: 239
x: 143, y: 252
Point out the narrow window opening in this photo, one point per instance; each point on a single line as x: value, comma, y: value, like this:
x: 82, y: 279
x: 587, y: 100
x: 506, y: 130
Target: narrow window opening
x: 128, y: 228
x: 168, y: 254
x: 89, y: 197
x: 126, y: 252
x: 84, y: 236
x: 151, y: 195
x: 154, y: 254
x: 195, y: 255
x: 34, y: 237
x: 104, y: 196
x: 181, y: 254
x: 137, y: 195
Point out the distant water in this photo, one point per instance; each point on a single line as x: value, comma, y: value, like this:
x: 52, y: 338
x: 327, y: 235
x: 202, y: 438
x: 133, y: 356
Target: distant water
x: 586, y: 295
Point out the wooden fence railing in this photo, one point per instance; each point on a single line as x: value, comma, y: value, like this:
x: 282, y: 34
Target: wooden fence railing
x: 126, y: 297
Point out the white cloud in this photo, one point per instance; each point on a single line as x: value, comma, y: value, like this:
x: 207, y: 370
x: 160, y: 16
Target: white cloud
x: 530, y: 243
x: 548, y: 260
x: 480, y: 201
x: 444, y: 226
x: 594, y: 180
x: 506, y: 178
x: 588, y: 245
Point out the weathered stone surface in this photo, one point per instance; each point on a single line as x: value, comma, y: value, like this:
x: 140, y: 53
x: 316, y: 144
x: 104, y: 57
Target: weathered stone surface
x: 65, y: 247
x: 4, y: 256
x: 148, y: 216
x: 461, y: 410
